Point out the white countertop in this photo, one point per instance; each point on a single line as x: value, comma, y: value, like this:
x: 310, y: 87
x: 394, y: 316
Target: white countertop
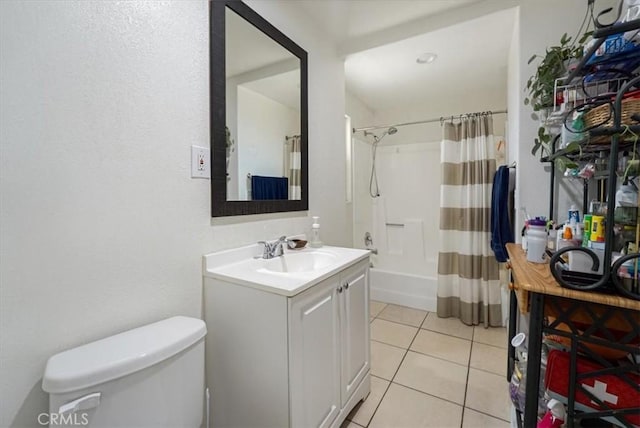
x: 244, y: 266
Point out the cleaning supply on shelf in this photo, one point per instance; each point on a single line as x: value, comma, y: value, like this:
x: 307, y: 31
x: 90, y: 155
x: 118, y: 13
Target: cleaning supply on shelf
x: 555, y: 416
x: 315, y: 233
x: 597, y: 228
x: 552, y: 240
x: 537, y: 240
x: 586, y: 236
x: 572, y: 129
x: 626, y: 196
x: 574, y: 214
x: 567, y: 237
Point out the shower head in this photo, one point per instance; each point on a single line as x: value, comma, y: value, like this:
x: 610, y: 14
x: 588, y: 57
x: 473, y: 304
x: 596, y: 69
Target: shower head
x: 390, y: 131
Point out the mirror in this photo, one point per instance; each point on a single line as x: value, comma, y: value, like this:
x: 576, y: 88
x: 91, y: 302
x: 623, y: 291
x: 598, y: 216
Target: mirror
x: 258, y: 115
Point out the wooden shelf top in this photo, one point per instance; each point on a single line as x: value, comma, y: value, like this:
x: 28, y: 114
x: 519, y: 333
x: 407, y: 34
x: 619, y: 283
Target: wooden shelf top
x: 537, y: 278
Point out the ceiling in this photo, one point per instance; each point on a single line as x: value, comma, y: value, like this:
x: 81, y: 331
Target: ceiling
x: 346, y: 19
x: 256, y: 62
x: 381, y: 40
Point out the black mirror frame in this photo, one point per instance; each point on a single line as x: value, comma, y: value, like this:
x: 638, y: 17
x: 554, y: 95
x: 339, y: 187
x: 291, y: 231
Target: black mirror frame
x: 220, y: 206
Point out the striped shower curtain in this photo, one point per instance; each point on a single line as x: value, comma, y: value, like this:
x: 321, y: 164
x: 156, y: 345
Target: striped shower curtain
x: 468, y: 274
x: 292, y: 162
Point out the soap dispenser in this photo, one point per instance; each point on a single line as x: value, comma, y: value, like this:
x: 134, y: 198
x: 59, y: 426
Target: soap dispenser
x: 315, y: 233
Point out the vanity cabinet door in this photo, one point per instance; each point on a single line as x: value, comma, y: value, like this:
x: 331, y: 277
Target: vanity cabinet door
x: 354, y: 329
x: 314, y: 358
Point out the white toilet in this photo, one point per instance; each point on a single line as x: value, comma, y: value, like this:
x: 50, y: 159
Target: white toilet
x: 152, y: 376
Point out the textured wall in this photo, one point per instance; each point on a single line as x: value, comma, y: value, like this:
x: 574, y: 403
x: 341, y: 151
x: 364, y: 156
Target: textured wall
x: 102, y: 228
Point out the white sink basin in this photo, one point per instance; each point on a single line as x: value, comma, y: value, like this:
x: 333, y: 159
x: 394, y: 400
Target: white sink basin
x: 288, y: 274
x: 300, y: 262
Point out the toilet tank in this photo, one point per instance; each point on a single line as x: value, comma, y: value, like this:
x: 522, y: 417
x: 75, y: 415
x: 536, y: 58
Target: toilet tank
x: 151, y: 376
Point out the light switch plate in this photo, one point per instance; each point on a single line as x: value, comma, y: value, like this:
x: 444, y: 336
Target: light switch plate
x: 200, y: 162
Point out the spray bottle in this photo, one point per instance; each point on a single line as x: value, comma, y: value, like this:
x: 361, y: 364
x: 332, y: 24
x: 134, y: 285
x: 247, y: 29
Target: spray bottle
x: 555, y: 416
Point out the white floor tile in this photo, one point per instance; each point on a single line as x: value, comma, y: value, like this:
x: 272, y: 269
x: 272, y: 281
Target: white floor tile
x: 488, y: 393
x: 405, y: 408
x: 403, y: 315
x: 385, y: 359
x: 375, y: 308
x: 392, y: 333
x: 489, y: 358
x: 451, y: 326
x: 434, y: 376
x: 364, y: 411
x: 473, y: 419
x: 442, y: 346
x: 495, y: 336
x: 348, y: 424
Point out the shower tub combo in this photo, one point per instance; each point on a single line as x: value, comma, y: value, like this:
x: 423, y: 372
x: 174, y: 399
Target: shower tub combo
x: 391, y: 284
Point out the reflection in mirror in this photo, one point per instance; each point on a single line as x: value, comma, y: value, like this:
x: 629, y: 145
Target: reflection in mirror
x: 259, y: 115
x: 262, y: 114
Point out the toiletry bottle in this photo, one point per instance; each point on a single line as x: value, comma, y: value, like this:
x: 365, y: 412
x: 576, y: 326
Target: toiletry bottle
x: 574, y: 215
x: 315, y: 233
x: 555, y: 416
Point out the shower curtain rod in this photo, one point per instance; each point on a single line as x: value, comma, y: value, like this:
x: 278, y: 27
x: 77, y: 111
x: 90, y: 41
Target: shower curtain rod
x: 438, y: 119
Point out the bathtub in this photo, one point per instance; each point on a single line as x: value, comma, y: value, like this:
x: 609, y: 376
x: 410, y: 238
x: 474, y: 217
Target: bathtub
x: 416, y: 290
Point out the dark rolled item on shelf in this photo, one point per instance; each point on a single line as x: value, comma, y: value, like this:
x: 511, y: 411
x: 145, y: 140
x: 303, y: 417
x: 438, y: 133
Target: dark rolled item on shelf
x: 632, y: 291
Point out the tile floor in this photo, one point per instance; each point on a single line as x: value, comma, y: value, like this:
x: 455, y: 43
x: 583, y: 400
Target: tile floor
x: 433, y: 372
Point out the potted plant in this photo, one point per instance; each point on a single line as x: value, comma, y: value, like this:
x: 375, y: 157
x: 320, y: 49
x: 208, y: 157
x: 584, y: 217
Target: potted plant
x: 540, y: 87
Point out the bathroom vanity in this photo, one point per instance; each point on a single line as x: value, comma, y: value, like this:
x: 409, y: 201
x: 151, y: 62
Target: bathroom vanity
x: 288, y: 341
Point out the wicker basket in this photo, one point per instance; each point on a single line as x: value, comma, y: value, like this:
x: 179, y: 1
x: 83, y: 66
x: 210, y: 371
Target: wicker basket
x: 597, y: 116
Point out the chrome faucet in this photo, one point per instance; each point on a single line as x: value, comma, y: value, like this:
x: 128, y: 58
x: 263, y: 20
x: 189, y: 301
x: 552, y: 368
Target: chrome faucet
x: 274, y: 248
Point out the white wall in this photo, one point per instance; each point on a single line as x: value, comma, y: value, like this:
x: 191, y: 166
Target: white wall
x: 409, y: 177
x: 264, y: 124
x: 514, y: 105
x: 102, y: 228
x: 542, y: 24
x: 361, y: 161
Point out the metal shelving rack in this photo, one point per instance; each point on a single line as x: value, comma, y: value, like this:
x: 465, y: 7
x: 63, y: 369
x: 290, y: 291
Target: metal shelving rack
x: 580, y: 301
x: 609, y: 280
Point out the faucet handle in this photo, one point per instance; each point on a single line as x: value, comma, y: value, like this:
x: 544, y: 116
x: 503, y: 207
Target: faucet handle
x: 266, y: 252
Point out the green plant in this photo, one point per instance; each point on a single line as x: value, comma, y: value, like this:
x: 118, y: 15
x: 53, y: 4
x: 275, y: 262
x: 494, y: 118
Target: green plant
x: 553, y: 65
x: 540, y: 87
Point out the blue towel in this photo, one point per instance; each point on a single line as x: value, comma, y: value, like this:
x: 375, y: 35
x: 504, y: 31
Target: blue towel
x: 501, y: 231
x: 267, y: 188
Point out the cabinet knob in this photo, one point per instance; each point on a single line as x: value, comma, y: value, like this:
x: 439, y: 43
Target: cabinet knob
x: 346, y: 285
x: 339, y: 289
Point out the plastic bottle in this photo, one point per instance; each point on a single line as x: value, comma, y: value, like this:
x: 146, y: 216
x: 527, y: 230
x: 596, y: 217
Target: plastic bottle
x: 626, y: 196
x: 555, y: 416
x: 574, y: 215
x: 537, y: 241
x: 315, y: 233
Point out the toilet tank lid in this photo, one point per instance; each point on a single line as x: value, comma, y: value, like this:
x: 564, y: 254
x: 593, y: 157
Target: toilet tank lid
x: 122, y: 354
